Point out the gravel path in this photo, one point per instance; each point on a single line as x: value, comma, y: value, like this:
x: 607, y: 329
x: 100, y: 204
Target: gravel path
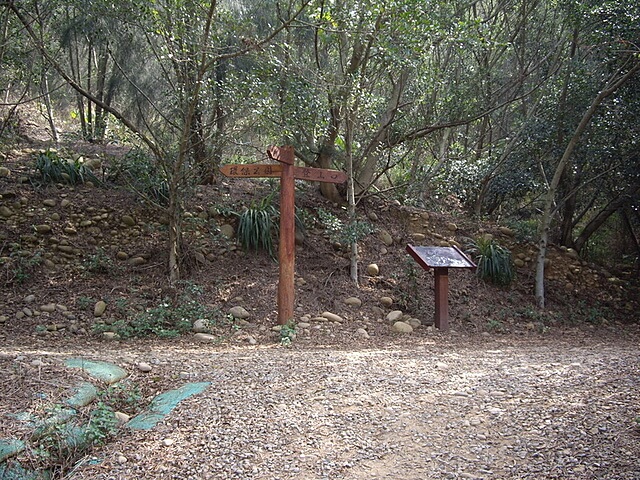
x: 494, y: 410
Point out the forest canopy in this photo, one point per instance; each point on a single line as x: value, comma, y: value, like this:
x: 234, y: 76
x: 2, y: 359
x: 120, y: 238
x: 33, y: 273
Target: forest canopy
x: 522, y: 110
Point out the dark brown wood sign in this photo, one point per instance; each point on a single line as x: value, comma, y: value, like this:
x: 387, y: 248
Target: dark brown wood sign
x: 288, y: 173
x: 441, y: 259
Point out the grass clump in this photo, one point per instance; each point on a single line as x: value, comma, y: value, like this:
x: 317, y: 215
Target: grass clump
x: 256, y: 225
x: 493, y: 260
x: 52, y: 168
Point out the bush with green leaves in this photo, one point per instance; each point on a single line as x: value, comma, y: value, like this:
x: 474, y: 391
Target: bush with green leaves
x: 344, y: 234
x: 52, y: 168
x: 493, y: 260
x: 138, y: 172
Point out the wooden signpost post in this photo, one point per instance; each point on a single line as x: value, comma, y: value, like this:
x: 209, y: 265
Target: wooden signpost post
x: 287, y: 172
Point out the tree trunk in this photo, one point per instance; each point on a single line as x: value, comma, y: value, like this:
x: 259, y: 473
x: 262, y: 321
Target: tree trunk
x: 370, y: 154
x: 545, y: 223
x: 46, y: 96
x: 612, y: 207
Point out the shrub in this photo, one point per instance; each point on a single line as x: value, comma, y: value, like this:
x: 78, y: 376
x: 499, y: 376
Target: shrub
x: 493, y: 260
x: 139, y: 173
x: 344, y: 234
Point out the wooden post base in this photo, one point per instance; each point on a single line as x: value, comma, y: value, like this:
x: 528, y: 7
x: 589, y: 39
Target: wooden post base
x: 442, y: 298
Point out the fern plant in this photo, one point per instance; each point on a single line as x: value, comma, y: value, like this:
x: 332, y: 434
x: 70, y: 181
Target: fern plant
x: 493, y: 261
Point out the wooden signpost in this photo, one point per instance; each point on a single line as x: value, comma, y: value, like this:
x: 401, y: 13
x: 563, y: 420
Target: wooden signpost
x: 287, y: 172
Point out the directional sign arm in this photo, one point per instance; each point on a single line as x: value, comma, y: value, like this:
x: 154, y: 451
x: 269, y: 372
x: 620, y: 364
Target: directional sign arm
x: 251, y: 171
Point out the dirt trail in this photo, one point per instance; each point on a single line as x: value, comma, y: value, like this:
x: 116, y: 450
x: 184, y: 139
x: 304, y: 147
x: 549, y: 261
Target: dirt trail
x: 429, y: 408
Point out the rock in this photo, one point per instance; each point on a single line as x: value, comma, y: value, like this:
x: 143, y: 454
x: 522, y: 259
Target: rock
x: 386, y: 301
x: 167, y: 442
x: 144, y: 367
x: 99, y: 308
x: 573, y: 254
x: 452, y: 227
x: 4, y: 172
x: 137, y: 261
x: 110, y: 335
x: 372, y: 216
x: 402, y: 327
x: 93, y: 164
x: 128, y: 220
x: 332, y: 317
x: 65, y: 203
x: 414, y: 322
x: 201, y: 325
x: 29, y: 298
x: 386, y: 238
x: 205, y: 337
x: 121, y: 459
x: 239, y: 312
x: 518, y: 262
x: 418, y: 237
x: 122, y: 256
x: 43, y: 228
x: 49, y: 308
x: 121, y: 418
x: 394, y: 316
x: 506, y: 231
x: 353, y: 302
x: 373, y: 270
x: 49, y: 202
x: 227, y: 231
x: 361, y: 332
x: 5, y: 211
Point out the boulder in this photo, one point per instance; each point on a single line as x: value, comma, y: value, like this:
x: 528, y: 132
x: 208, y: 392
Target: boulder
x: 402, y: 327
x: 332, y: 317
x: 239, y: 312
x: 373, y: 270
x: 394, y: 316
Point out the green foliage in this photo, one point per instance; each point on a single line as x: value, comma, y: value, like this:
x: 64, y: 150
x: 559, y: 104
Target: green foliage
x: 84, y: 302
x: 123, y: 396
x: 169, y: 319
x: 139, y: 173
x: 288, y: 333
x: 495, y: 326
x: 102, y: 424
x: 54, y: 169
x: 256, y: 225
x: 493, y: 260
x: 20, y: 267
x: 352, y: 232
x: 524, y: 230
x: 62, y: 438
x: 100, y: 262
x: 407, y: 291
